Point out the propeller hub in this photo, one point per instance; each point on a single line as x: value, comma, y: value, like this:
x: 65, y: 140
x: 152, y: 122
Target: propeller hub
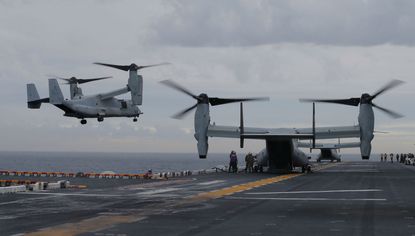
x: 133, y: 67
x: 203, y: 98
x: 365, y: 98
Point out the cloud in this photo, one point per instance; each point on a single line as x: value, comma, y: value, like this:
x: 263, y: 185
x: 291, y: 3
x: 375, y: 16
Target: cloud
x: 248, y: 23
x: 282, y: 49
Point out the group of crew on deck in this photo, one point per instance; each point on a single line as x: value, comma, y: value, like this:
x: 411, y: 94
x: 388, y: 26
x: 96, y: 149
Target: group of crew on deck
x: 400, y: 158
x: 251, y: 163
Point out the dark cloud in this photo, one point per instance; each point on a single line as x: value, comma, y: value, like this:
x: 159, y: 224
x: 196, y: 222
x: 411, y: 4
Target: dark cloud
x: 249, y: 23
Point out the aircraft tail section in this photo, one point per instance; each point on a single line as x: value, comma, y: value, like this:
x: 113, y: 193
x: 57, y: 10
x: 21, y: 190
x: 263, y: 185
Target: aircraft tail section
x: 55, y: 93
x: 33, y: 99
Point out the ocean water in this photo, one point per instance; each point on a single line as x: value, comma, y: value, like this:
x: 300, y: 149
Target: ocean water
x: 119, y: 162
x: 99, y: 162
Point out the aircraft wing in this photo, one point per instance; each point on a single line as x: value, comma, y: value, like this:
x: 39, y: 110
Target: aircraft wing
x: 104, y: 96
x: 255, y: 133
x: 283, y: 133
x: 333, y: 132
x: 329, y: 145
x: 232, y: 131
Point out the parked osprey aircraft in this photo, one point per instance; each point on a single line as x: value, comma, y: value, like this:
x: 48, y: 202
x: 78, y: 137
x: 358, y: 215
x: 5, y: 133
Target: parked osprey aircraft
x: 281, y: 152
x: 94, y: 106
x: 328, y: 151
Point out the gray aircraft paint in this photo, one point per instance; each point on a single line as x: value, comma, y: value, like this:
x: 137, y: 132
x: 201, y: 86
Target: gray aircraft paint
x: 202, y: 120
x: 92, y: 106
x: 367, y: 123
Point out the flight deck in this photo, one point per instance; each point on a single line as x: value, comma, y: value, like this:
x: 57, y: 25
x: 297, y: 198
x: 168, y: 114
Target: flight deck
x: 348, y: 198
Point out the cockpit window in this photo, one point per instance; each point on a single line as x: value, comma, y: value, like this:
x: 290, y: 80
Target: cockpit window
x: 123, y: 104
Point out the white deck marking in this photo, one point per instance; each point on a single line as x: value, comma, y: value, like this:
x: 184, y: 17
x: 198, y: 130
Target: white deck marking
x: 211, y: 182
x: 306, y: 199
x: 71, y: 194
x: 321, y: 191
x: 337, y: 221
x: 157, y: 191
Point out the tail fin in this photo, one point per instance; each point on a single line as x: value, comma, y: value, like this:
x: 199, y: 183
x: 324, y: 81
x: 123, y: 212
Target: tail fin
x: 33, y: 99
x: 55, y: 93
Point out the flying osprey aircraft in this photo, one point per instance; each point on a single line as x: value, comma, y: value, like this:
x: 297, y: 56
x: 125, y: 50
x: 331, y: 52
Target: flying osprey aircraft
x: 281, y: 152
x: 94, y: 106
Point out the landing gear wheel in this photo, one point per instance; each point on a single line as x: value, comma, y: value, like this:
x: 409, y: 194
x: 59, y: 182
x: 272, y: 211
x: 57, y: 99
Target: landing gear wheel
x: 83, y: 121
x: 100, y: 119
x: 135, y: 119
x: 302, y: 169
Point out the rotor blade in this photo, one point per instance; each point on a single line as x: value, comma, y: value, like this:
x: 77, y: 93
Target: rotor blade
x: 220, y: 101
x: 173, y: 85
x: 388, y: 86
x: 181, y: 114
x: 387, y: 111
x: 81, y: 81
x: 67, y: 80
x: 241, y: 127
x: 56, y: 77
x: 120, y: 67
x: 350, y: 101
x: 160, y: 64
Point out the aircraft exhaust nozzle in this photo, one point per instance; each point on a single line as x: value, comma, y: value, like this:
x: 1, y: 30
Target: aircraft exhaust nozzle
x: 365, y: 150
x: 202, y: 120
x: 135, y: 84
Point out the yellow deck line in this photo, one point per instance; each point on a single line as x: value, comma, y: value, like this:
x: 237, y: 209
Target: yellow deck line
x: 247, y: 186
x: 242, y: 187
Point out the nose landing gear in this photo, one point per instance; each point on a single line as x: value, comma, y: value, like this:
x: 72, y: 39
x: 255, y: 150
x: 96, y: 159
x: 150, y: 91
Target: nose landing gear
x: 83, y: 121
x: 135, y: 119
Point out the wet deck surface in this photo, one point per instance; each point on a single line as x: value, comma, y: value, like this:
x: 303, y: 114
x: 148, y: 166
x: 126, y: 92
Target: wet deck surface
x: 350, y: 198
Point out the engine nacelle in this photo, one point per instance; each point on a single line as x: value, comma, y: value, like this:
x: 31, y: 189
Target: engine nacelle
x: 367, y: 124
x: 135, y: 84
x: 202, y: 120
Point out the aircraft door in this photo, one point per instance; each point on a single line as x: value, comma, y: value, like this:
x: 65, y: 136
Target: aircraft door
x: 280, y: 155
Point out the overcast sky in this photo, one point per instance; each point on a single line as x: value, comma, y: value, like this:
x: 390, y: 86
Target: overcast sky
x: 282, y: 49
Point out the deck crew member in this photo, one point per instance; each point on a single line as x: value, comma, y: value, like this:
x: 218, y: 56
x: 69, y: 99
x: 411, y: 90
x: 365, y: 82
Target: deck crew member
x: 233, y: 162
x: 249, y: 163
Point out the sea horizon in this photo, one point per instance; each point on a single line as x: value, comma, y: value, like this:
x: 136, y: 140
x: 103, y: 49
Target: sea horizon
x: 122, y: 162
